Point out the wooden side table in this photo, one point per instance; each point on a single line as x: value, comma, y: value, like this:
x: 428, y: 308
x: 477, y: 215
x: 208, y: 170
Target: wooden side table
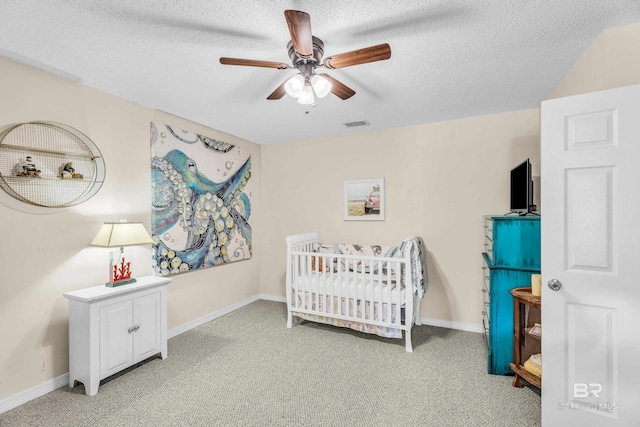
x: 526, y: 312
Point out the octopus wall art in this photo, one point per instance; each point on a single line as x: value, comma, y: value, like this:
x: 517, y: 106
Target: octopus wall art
x: 201, y: 201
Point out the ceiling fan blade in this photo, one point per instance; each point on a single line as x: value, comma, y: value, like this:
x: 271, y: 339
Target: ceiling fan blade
x: 253, y: 63
x: 300, y: 29
x: 340, y: 90
x: 278, y: 93
x: 360, y: 56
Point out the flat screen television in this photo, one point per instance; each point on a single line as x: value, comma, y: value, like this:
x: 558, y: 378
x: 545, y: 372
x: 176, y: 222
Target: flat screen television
x: 522, y: 189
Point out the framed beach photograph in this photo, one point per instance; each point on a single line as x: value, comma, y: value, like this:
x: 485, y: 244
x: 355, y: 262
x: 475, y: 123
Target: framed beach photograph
x: 364, y: 199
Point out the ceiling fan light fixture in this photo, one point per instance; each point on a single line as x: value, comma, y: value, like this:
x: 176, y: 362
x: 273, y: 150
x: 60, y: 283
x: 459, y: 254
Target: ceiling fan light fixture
x: 321, y: 86
x: 294, y: 86
x: 306, y: 53
x: 306, y: 97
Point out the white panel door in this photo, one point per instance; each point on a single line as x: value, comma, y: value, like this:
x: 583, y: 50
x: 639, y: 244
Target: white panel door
x: 115, y: 338
x: 146, y: 321
x: 590, y: 194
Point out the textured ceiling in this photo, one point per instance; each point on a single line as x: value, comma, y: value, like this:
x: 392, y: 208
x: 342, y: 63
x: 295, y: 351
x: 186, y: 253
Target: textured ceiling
x: 450, y: 59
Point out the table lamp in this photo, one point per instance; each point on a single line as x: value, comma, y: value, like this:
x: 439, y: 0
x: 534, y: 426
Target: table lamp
x: 120, y: 234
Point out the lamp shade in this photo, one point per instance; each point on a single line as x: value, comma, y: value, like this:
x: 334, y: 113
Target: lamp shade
x: 294, y: 85
x: 321, y: 86
x: 306, y: 97
x: 118, y: 234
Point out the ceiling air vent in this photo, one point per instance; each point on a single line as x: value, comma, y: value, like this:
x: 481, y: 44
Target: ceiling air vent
x: 358, y: 123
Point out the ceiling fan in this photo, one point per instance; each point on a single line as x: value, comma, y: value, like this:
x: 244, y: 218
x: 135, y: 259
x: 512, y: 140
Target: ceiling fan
x: 306, y: 51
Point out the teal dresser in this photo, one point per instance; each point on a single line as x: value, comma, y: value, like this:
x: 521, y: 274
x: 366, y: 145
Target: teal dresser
x: 512, y: 255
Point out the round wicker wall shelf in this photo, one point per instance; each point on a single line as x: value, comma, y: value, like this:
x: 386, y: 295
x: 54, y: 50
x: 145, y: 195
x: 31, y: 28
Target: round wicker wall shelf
x: 49, y: 164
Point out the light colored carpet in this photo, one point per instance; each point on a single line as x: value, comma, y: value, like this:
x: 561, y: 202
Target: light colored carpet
x: 248, y: 369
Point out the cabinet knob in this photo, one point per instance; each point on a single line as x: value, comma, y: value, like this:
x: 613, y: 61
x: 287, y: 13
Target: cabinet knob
x: 131, y: 329
x: 554, y: 284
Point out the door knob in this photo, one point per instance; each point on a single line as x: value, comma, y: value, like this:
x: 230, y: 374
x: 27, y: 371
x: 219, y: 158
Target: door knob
x: 554, y: 284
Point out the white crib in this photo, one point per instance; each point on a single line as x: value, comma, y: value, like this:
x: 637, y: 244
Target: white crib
x: 372, y: 294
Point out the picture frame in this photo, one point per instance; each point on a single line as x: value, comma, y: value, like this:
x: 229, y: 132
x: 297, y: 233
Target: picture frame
x: 364, y: 199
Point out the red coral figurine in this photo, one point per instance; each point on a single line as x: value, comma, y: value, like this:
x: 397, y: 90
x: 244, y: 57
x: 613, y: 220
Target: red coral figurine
x: 123, y: 272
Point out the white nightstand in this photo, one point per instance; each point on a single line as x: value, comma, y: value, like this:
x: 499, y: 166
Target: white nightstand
x: 111, y: 329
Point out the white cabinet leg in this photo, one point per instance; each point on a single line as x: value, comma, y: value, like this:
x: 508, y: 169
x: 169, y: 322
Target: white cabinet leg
x: 91, y: 389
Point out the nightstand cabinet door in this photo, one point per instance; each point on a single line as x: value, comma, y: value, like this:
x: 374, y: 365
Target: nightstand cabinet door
x: 146, y: 315
x: 116, y: 344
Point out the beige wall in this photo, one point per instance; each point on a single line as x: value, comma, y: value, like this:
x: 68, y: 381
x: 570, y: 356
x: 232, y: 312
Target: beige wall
x: 440, y: 179
x: 45, y: 252
x: 612, y: 60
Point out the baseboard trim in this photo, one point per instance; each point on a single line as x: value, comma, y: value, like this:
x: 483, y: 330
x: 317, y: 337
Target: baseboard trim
x: 275, y: 298
x: 34, y: 392
x: 461, y: 326
x: 56, y: 383
x: 211, y: 316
